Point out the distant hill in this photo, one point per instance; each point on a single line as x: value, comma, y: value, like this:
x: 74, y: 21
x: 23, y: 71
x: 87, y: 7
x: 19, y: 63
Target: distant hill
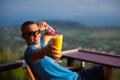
x: 76, y: 34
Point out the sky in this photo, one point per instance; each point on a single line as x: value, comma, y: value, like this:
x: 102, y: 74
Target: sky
x: 100, y: 12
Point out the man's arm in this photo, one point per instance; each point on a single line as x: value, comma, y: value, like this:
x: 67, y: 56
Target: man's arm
x: 38, y: 54
x: 48, y: 50
x: 46, y: 37
x: 43, y: 26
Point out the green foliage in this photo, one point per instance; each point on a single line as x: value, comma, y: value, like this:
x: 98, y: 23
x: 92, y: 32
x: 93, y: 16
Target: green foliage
x: 16, y: 74
x: 3, y: 56
x: 7, y: 56
x: 116, y: 73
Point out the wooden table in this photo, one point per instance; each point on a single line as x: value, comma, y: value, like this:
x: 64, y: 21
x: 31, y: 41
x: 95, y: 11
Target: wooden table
x: 94, y: 57
x: 108, y: 61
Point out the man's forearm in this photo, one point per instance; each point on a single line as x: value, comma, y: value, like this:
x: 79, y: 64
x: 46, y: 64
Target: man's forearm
x: 38, y: 54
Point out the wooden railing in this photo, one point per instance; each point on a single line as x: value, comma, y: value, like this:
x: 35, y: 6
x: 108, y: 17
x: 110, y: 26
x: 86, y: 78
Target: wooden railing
x: 107, y: 61
x: 93, y: 57
x: 11, y: 65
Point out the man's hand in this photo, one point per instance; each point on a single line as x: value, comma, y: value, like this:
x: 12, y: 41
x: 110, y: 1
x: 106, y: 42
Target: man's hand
x: 52, y: 51
x: 42, y: 25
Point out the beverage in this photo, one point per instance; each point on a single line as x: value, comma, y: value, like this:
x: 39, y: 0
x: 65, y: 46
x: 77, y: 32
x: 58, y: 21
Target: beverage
x: 57, y: 41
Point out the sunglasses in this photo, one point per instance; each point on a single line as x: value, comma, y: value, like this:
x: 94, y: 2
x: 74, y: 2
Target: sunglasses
x: 33, y: 33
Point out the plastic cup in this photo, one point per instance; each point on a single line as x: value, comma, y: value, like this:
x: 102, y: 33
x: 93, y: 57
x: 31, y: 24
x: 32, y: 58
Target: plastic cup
x: 57, y: 41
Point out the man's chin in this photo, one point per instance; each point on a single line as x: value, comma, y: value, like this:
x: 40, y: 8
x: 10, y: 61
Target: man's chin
x: 36, y: 42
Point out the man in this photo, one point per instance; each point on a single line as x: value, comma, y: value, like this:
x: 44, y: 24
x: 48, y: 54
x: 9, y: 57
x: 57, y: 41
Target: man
x: 38, y: 52
x: 39, y: 55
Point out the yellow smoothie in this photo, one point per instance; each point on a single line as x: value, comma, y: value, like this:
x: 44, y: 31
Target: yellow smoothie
x: 57, y: 41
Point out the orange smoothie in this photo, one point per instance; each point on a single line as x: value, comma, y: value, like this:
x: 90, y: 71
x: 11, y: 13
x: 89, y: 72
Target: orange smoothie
x: 57, y: 40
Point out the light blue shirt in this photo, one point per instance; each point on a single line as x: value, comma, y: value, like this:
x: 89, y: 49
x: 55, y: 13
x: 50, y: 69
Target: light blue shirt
x: 46, y: 69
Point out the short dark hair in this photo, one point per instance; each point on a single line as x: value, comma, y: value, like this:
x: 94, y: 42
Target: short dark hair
x: 25, y: 24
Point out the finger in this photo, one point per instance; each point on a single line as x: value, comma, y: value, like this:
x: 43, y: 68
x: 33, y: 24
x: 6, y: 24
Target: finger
x: 56, y: 55
x: 54, y: 47
x: 56, y: 52
x: 41, y: 24
x: 48, y: 48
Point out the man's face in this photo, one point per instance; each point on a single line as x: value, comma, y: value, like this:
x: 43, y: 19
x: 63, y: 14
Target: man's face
x: 32, y: 34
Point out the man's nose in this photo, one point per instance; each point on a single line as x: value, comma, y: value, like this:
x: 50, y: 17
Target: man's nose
x: 35, y: 34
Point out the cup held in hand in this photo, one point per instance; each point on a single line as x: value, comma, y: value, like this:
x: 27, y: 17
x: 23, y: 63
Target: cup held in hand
x: 57, y: 41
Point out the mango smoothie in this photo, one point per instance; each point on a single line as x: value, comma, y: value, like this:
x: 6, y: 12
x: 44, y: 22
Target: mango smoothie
x: 57, y: 40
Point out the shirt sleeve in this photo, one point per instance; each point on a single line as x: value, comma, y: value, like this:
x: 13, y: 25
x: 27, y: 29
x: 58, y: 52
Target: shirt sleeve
x: 28, y: 53
x: 42, y: 42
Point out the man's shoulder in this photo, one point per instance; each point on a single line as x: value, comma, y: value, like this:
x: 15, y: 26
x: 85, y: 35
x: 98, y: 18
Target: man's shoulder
x: 30, y: 48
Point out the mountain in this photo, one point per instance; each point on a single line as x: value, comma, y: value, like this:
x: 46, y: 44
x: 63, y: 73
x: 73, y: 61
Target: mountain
x: 76, y: 34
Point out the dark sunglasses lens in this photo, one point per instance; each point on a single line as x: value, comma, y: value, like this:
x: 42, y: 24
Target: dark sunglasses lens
x: 37, y: 32
x: 33, y: 33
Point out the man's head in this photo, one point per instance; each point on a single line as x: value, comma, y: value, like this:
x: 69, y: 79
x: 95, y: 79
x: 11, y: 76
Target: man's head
x: 30, y: 33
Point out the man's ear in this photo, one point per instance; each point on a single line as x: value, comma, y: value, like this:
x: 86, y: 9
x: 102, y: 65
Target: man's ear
x: 23, y: 36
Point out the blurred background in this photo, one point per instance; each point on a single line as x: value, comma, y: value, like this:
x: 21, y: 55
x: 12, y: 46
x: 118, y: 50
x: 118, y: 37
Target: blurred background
x: 91, y: 24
